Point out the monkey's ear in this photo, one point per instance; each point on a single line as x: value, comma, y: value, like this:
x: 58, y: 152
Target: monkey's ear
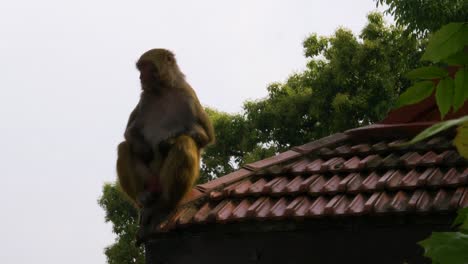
x: 169, y: 57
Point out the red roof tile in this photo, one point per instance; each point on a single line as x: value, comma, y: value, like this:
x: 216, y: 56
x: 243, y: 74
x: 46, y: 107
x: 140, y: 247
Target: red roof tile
x: 363, y: 171
x: 361, y: 177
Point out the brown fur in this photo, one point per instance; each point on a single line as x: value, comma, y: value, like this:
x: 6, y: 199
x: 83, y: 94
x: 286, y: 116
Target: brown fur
x: 130, y: 182
x: 165, y: 133
x: 180, y: 170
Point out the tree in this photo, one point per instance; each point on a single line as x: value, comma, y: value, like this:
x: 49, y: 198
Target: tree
x: 349, y: 81
x: 124, y: 218
x: 425, y: 16
x: 231, y: 135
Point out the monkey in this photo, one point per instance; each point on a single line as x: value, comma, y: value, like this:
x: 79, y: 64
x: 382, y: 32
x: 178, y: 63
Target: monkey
x: 165, y: 134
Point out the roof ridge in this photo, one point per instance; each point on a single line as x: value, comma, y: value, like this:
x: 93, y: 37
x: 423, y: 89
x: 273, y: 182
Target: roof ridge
x: 250, y: 169
x: 320, y: 143
x: 385, y: 130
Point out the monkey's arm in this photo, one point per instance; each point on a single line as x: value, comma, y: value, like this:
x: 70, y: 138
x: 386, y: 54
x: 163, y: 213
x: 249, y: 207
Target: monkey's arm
x: 197, y: 132
x: 130, y: 129
x: 135, y: 138
x: 133, y: 115
x: 204, y: 131
x: 138, y: 145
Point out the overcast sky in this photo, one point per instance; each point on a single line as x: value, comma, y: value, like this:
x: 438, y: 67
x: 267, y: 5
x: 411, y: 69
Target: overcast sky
x: 68, y: 83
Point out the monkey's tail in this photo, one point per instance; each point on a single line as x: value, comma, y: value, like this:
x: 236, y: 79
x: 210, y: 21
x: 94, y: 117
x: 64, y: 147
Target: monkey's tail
x: 180, y: 170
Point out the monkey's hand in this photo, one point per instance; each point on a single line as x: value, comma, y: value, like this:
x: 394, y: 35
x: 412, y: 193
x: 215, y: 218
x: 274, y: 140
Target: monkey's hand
x: 138, y: 145
x: 199, y: 135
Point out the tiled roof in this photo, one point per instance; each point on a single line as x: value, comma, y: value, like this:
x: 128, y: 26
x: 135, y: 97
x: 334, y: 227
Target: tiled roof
x: 361, y: 172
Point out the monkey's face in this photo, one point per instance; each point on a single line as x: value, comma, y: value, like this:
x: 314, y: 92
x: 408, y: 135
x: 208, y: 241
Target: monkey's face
x: 148, y: 75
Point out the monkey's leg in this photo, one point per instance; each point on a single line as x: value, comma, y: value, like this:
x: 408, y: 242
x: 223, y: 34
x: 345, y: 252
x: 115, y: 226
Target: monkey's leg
x: 153, y: 207
x: 154, y: 182
x: 179, y: 171
x: 152, y: 185
x: 129, y: 179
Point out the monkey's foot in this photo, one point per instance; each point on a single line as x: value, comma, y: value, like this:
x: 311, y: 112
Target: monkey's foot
x: 154, y: 185
x: 144, y: 225
x: 151, y: 216
x: 141, y: 235
x: 147, y: 198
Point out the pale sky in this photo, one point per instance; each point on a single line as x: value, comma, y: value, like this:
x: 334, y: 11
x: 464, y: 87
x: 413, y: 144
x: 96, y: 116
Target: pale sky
x: 68, y: 83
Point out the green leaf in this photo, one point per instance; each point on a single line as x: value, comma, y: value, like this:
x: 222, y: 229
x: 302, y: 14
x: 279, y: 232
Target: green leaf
x: 462, y: 219
x: 461, y: 140
x: 436, y: 128
x: 461, y: 88
x: 459, y: 58
x: 446, y: 247
x: 444, y: 95
x: 448, y: 40
x: 427, y: 73
x: 415, y: 93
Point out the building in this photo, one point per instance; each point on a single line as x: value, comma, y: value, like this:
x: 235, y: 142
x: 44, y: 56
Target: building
x: 352, y: 197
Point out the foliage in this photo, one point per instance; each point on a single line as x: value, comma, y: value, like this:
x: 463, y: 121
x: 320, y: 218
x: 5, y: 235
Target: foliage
x: 447, y: 49
x: 415, y: 93
x: 441, y: 126
x: 124, y: 218
x: 449, y: 247
x: 449, y: 78
x: 349, y: 81
x: 424, y: 16
x: 231, y: 136
x: 460, y: 93
x: 449, y: 40
x: 461, y: 139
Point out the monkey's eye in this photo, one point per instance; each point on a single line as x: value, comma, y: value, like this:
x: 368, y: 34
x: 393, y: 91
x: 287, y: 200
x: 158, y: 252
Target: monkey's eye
x: 141, y: 65
x: 138, y: 65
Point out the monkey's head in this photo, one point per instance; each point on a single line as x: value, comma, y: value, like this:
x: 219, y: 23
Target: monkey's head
x: 158, y: 69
